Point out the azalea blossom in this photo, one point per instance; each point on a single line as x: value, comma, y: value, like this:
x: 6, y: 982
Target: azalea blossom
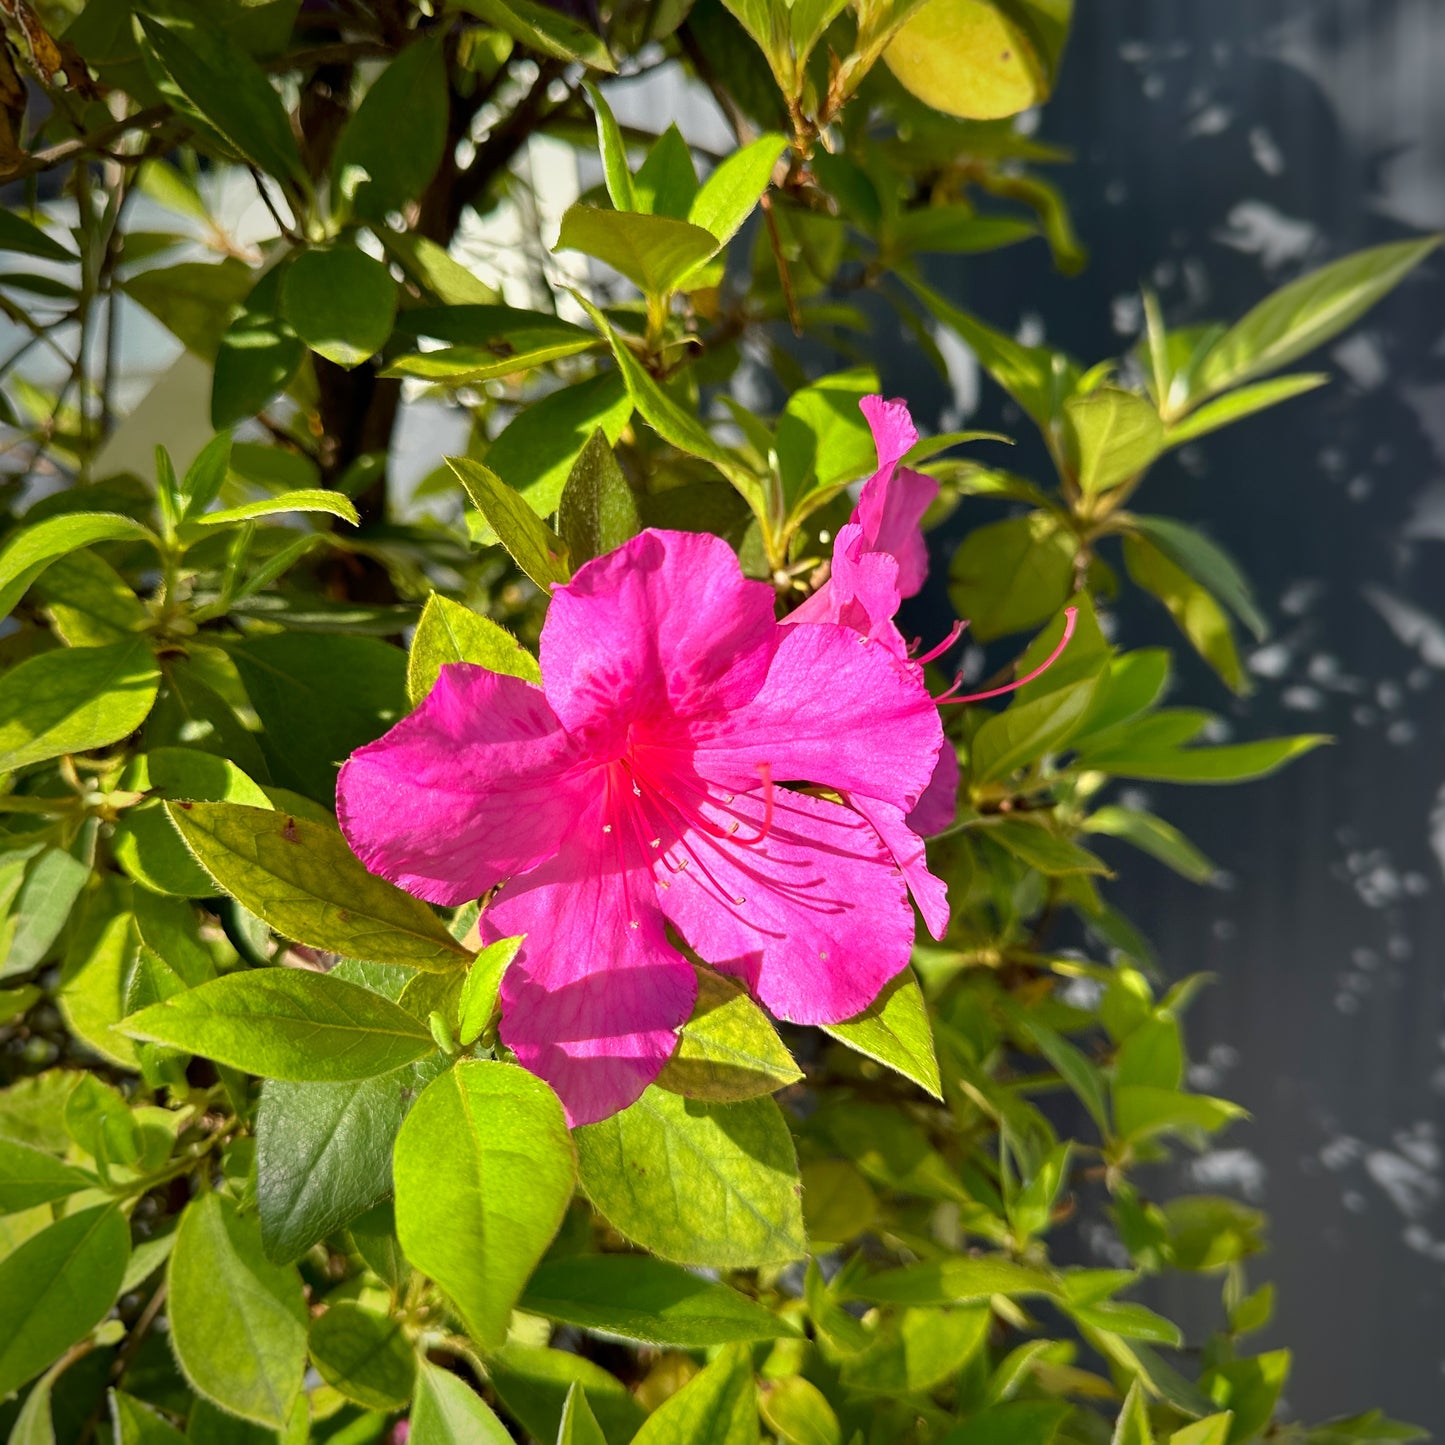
x: 879, y: 558
x: 644, y: 790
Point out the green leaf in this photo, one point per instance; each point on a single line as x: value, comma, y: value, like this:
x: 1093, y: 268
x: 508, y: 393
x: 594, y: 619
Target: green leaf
x: 449, y: 632
x: 1035, y: 377
x: 727, y: 1050
x: 666, y: 182
x: 1116, y: 434
x: 30, y: 550
x: 534, y: 1385
x: 1305, y: 314
x: 674, y: 425
x: 955, y: 229
x: 29, y: 1177
x: 798, y: 1413
x: 1035, y: 842
x: 311, y: 499
x: 653, y: 252
x: 51, y: 882
x: 979, y: 61
x: 1132, y: 1321
x: 1018, y: 1422
x: 1211, y: 1430
x: 430, y: 267
x: 648, y: 1300
x: 955, y: 1280
x: 1155, y: 837
x: 895, y: 1031
x: 145, y: 841
x: 75, y: 699
x: 89, y: 602
x: 1132, y: 1426
x: 823, y: 439
x: 302, y: 879
x: 1078, y: 1071
x: 194, y: 300
x: 1027, y: 730
x: 17, y: 1002
x: 97, y: 969
x: 364, y: 1355
x: 533, y: 546
x: 35, y: 1424
x: 478, y: 1002
x: 598, y: 510
x: 137, y: 1423
x: 1250, y: 1389
x: 446, y: 1412
x: 258, y: 356
x: 727, y: 198
x: 613, y: 150
x: 1234, y: 763
x: 535, y: 452
x: 323, y: 1155
x: 457, y: 366
x: 1012, y: 574
x: 319, y: 699
x: 718, y: 1406
x: 340, y: 302
x: 229, y: 90
x: 917, y: 1350
x: 237, y: 1321
x: 1207, y: 564
x: 890, y: 1149
x: 287, y: 1023
x: 1141, y: 1112
x: 99, y: 1119
x: 57, y: 1286
x: 19, y: 233
x: 697, y: 1183
x: 484, y: 1171
x: 1236, y: 405
x: 543, y: 30
x: 838, y: 1202
x: 579, y: 1425
x: 393, y: 143
x: 1200, y: 618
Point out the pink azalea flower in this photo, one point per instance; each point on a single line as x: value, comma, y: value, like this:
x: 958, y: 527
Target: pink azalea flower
x: 879, y: 558
x: 641, y: 787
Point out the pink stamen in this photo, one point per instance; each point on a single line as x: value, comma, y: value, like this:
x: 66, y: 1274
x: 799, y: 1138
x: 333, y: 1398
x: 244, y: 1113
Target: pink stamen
x: 955, y: 633
x: 1070, y: 617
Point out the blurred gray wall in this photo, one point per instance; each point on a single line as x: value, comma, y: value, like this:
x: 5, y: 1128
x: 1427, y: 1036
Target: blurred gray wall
x: 1222, y: 148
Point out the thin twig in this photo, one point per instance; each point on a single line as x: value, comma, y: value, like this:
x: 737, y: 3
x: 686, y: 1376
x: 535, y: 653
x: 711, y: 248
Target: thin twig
x: 795, y: 317
x: 95, y: 143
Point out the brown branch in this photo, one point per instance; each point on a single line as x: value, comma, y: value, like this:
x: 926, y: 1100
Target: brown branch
x: 151, y: 118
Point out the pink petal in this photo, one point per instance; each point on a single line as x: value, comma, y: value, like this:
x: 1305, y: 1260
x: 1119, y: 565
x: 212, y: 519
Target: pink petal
x: 906, y: 848
x: 824, y: 920
x: 479, y: 783
x: 891, y: 425
x: 593, y: 1000
x: 665, y: 624
x: 890, y: 510
x: 861, y: 593
x: 836, y: 710
x: 938, y: 806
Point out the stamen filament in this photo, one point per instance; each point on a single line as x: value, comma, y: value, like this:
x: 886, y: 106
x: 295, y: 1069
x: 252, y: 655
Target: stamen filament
x: 1070, y: 617
x: 954, y: 634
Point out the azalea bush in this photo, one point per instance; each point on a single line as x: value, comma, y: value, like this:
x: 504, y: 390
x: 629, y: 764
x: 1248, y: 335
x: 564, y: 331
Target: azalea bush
x: 529, y: 946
